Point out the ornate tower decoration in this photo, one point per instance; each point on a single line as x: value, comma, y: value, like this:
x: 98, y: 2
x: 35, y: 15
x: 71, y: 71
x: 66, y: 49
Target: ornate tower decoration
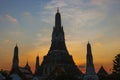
x: 15, y: 63
x: 58, y: 38
x: 90, y: 71
x: 58, y: 54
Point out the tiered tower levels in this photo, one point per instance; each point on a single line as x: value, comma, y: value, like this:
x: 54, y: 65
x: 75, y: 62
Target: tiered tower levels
x: 58, y: 54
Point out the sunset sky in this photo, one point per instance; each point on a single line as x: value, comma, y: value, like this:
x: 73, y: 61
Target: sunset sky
x: 29, y: 23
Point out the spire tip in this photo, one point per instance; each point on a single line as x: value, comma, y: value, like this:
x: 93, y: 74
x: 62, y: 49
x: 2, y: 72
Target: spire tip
x: 57, y: 9
x: 88, y: 42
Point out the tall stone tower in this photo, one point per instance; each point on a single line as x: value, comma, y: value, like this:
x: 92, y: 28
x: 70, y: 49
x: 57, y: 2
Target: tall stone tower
x: 58, y: 54
x: 90, y: 71
x: 15, y: 63
x: 37, y: 66
x: 58, y: 39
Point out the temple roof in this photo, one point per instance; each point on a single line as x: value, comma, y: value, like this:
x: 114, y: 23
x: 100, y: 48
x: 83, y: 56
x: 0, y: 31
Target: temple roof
x: 102, y: 71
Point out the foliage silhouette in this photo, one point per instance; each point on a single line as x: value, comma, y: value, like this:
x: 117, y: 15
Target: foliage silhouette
x: 116, y: 67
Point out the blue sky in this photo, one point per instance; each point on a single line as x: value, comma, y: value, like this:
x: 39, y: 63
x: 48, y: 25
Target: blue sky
x: 29, y: 23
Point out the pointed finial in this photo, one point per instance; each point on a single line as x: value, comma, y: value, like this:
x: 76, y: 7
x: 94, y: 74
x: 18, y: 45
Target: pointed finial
x: 57, y: 9
x: 88, y: 42
x: 27, y: 62
x: 101, y: 65
x: 37, y: 55
x: 16, y: 44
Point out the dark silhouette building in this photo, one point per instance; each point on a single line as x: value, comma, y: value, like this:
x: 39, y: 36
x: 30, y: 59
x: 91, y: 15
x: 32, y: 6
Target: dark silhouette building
x: 37, y: 67
x: 57, y: 64
x: 19, y: 73
x: 102, y: 74
x: 15, y: 62
x: 102, y: 71
x: 90, y: 71
x: 58, y: 54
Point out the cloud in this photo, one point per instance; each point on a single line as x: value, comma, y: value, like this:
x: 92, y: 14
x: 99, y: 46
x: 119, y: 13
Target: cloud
x: 55, y: 4
x: 42, y: 39
x: 98, y: 44
x: 74, y: 14
x: 104, y: 2
x: 15, y: 33
x: 85, y: 16
x: 10, y: 41
x: 26, y: 14
x: 11, y: 19
x: 78, y: 14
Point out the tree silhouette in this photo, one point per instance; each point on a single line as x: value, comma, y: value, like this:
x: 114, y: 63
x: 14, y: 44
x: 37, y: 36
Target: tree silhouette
x: 116, y: 67
x: 116, y: 64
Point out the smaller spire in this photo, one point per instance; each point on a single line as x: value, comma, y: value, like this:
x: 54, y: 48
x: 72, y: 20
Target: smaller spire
x: 102, y: 71
x: 58, y: 9
x: 16, y: 47
x: 27, y: 64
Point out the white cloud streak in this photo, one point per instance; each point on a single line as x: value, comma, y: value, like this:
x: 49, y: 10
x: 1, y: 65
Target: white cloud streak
x: 75, y: 14
x: 11, y: 19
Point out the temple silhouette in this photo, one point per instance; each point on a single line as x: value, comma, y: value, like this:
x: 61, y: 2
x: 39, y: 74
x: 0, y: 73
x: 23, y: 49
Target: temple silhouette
x: 90, y: 70
x: 58, y: 55
x: 56, y: 63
